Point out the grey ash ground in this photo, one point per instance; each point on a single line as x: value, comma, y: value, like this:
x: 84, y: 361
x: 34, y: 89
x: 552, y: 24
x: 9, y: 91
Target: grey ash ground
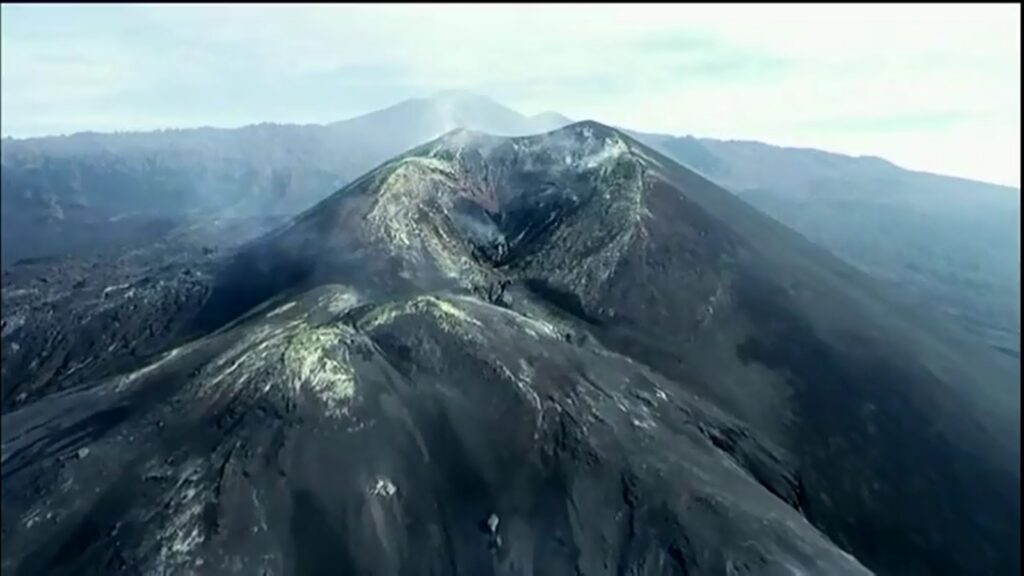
x: 542, y: 355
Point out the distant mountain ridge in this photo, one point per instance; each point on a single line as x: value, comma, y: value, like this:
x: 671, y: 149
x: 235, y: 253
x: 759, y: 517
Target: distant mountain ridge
x: 63, y: 194
x: 949, y: 243
x: 223, y: 168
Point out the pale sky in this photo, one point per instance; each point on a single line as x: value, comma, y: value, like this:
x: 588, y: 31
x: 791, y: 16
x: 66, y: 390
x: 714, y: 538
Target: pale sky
x: 933, y: 88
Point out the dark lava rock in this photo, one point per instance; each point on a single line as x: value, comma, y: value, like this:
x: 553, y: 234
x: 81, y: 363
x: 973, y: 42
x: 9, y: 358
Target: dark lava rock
x: 553, y: 354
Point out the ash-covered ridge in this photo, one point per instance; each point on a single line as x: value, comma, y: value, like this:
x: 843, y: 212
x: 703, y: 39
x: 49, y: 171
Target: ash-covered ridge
x: 470, y: 210
x: 551, y: 354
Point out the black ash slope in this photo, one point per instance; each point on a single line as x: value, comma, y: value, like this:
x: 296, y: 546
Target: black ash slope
x: 545, y: 354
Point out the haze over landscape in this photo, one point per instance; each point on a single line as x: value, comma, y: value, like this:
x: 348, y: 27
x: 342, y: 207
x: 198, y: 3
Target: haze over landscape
x: 934, y: 89
x: 437, y: 289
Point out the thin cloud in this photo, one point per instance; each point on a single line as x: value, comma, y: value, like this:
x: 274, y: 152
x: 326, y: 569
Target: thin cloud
x: 788, y: 74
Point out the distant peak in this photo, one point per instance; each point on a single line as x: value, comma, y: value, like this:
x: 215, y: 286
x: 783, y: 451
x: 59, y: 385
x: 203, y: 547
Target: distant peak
x: 457, y: 95
x: 552, y: 115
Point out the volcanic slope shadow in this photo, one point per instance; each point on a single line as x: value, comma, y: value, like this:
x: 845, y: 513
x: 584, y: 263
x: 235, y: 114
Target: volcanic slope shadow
x: 531, y: 355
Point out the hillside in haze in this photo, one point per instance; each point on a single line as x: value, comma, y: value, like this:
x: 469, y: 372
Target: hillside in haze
x: 63, y: 194
x: 943, y: 243
x: 554, y: 354
x: 949, y: 243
